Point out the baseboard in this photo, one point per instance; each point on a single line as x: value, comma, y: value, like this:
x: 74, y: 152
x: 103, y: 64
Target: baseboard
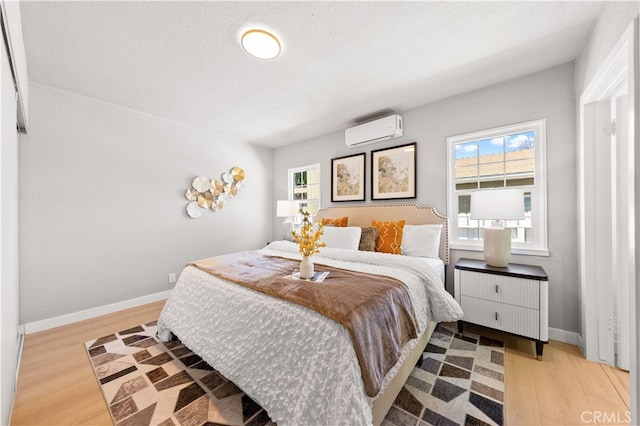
x: 20, y: 338
x: 564, y: 336
x: 581, y: 346
x: 36, y: 326
x: 19, y: 357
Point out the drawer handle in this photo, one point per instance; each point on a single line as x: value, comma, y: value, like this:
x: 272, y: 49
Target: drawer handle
x: 496, y: 288
x: 496, y: 316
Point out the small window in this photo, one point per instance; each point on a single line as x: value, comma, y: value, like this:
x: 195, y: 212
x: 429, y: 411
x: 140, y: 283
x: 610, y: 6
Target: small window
x: 510, y: 156
x: 304, y: 186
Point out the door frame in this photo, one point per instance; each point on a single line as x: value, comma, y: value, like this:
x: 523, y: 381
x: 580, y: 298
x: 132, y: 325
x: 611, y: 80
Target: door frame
x: 621, y: 64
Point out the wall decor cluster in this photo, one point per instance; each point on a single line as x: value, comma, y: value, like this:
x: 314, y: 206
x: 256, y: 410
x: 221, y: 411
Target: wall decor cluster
x: 393, y: 175
x: 211, y: 194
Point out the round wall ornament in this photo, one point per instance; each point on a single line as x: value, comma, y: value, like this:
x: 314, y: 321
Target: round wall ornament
x: 205, y: 200
x: 191, y: 194
x: 216, y: 187
x: 237, y: 174
x: 193, y: 210
x: 201, y: 184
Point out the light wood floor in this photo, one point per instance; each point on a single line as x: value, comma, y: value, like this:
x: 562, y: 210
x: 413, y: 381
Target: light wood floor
x: 561, y: 389
x: 56, y: 384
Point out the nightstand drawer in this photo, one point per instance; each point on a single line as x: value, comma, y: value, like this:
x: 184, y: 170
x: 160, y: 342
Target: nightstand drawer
x: 510, y: 318
x: 499, y: 288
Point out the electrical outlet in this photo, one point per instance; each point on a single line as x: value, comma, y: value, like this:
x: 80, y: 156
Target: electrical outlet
x: 172, y: 278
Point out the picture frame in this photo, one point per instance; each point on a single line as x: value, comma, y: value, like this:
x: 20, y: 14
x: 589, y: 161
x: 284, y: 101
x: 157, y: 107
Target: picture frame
x: 393, y: 172
x: 348, y: 178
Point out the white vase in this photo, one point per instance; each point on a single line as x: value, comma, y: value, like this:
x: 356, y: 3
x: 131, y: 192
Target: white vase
x: 306, y: 267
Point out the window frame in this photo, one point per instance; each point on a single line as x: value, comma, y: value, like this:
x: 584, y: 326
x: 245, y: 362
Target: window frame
x: 306, y: 168
x: 539, y: 225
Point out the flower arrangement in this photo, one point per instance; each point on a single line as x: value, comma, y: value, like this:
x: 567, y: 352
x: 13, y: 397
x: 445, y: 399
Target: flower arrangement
x: 308, y: 238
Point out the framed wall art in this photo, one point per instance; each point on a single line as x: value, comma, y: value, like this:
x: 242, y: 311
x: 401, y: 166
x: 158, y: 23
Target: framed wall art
x: 393, y: 172
x: 347, y: 178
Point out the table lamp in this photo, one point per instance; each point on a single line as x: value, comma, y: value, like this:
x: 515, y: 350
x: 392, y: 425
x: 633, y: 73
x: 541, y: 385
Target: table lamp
x: 497, y: 205
x: 287, y: 209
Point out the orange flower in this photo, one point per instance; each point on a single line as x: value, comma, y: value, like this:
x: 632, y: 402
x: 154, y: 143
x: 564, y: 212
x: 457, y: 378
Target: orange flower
x: 308, y: 238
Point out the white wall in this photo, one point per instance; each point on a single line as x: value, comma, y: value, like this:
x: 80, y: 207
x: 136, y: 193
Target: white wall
x: 9, y: 238
x: 548, y: 94
x: 102, y: 207
x: 614, y: 19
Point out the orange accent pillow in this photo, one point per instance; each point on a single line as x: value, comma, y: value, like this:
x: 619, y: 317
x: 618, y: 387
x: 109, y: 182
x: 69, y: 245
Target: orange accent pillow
x: 390, y: 236
x: 340, y: 221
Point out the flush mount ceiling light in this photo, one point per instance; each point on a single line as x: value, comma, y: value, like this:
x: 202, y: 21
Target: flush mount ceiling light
x: 261, y: 44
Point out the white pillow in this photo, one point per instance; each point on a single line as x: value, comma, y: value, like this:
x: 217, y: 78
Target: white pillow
x: 342, y: 237
x: 421, y: 240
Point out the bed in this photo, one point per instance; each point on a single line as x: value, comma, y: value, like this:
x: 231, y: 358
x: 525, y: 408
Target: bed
x: 296, y: 363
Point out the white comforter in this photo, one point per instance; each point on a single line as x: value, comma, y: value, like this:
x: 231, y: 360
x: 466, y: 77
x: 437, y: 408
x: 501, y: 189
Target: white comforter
x: 297, y: 364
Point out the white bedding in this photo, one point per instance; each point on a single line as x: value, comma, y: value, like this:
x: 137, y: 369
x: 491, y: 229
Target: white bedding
x: 434, y: 263
x: 299, y: 365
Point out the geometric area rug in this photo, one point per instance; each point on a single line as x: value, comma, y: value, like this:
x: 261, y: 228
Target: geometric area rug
x: 460, y: 381
x: 147, y: 382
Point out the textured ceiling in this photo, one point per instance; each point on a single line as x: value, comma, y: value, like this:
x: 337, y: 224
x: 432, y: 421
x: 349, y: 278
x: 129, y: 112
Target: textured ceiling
x: 341, y: 61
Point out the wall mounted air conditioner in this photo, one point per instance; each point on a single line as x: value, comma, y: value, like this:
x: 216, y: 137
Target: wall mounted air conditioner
x: 378, y: 130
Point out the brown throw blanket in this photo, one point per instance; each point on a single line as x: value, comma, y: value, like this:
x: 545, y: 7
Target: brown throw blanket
x: 375, y: 309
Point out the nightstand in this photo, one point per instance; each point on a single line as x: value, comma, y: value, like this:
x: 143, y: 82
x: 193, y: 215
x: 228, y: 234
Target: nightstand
x: 513, y: 299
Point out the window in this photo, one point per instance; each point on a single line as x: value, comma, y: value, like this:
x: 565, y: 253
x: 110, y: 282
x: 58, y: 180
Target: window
x: 304, y: 186
x: 510, y: 156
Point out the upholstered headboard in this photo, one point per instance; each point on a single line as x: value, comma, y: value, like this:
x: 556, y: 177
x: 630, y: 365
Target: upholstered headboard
x: 411, y: 213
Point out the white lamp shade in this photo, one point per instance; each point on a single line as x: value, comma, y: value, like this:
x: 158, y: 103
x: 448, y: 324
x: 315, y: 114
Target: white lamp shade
x: 287, y: 208
x: 498, y: 204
